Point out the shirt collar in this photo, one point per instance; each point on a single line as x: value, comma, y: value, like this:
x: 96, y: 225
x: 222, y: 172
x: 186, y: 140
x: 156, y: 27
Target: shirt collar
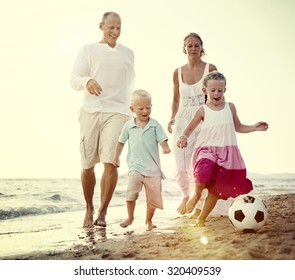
x: 151, y: 123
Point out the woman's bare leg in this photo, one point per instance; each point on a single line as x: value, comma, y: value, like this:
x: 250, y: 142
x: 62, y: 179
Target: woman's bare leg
x: 191, y: 204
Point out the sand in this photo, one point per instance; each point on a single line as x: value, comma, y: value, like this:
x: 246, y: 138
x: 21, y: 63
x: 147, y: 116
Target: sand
x: 183, y: 241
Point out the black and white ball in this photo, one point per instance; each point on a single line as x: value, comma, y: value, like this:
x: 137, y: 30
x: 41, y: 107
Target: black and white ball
x: 248, y: 213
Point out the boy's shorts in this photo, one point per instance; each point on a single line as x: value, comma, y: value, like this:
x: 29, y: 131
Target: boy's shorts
x: 153, y: 189
x: 99, y: 133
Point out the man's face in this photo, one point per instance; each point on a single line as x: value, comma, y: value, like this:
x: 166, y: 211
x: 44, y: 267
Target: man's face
x: 111, y: 29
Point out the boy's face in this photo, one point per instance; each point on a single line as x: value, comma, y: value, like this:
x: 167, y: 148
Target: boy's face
x: 215, y: 90
x: 142, y: 108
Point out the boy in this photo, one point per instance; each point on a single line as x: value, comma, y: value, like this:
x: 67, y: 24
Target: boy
x: 143, y: 135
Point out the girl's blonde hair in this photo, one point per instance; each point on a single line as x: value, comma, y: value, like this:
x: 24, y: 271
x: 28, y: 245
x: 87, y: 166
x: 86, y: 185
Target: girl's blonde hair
x: 214, y: 75
x: 139, y: 93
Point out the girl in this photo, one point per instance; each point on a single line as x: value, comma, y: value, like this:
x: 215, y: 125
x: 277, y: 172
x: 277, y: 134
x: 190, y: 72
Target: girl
x: 217, y: 162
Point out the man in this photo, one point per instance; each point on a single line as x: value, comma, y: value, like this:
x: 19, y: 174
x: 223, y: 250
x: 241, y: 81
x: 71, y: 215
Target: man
x: 105, y: 71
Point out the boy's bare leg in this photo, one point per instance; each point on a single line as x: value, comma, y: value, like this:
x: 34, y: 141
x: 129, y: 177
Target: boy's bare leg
x: 191, y: 204
x: 107, y: 187
x: 130, y: 211
x: 88, y: 182
x: 149, y: 216
x: 182, y: 207
x: 208, y: 206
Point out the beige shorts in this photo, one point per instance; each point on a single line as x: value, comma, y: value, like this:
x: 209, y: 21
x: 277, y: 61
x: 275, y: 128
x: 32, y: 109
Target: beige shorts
x: 153, y: 189
x: 99, y: 133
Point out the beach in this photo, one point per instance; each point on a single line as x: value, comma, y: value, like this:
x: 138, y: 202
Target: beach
x: 178, y: 239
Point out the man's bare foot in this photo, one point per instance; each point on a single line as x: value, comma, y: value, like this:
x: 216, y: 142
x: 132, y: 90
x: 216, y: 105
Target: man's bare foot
x: 88, y: 220
x: 100, y: 221
x: 150, y: 226
x: 126, y: 223
x: 182, y: 207
x: 190, y: 206
x: 196, y: 214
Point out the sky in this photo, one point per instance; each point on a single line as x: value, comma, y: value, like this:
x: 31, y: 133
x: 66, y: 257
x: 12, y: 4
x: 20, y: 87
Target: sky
x: 251, y: 42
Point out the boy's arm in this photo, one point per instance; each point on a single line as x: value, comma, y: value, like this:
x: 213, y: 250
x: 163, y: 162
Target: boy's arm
x: 119, y: 149
x: 165, y: 147
x: 243, y: 128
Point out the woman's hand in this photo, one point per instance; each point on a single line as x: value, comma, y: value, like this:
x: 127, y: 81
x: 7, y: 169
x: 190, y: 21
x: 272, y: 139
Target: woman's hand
x: 182, y: 142
x: 172, y: 122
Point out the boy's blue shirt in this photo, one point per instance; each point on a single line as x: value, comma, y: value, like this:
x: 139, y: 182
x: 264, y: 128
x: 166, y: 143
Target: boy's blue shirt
x: 143, y: 146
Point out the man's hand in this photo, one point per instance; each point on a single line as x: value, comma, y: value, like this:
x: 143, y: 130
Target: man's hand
x: 93, y: 87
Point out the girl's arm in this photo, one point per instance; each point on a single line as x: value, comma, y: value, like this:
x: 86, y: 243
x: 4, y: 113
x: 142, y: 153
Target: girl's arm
x: 175, y: 101
x: 243, y: 128
x: 119, y: 149
x: 199, y: 116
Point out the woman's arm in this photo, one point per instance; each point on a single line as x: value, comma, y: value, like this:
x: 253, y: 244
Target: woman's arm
x: 212, y: 68
x: 175, y: 100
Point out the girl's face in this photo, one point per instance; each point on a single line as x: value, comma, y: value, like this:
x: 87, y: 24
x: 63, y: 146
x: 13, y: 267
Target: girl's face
x: 142, y: 108
x: 193, y: 47
x: 215, y: 90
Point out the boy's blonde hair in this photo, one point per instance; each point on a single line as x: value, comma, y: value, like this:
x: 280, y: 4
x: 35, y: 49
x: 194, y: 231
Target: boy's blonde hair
x: 139, y: 93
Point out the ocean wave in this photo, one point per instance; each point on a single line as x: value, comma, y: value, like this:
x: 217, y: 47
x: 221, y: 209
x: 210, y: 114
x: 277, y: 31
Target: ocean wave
x: 29, y: 211
x: 55, y: 197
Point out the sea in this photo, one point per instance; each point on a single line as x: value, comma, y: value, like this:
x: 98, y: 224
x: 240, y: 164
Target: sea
x: 46, y: 215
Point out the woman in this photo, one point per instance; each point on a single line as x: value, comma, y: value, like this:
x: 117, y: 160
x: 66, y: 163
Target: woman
x: 187, y: 99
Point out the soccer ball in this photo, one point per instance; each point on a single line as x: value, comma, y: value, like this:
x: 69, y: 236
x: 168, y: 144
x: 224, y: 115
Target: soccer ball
x: 248, y: 213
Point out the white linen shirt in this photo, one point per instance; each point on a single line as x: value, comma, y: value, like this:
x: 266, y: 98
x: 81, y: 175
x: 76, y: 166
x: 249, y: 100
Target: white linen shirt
x: 113, y: 69
x: 143, y: 149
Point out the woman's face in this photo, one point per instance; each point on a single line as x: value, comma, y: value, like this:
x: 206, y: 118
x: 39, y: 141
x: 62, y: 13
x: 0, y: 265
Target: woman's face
x: 193, y: 47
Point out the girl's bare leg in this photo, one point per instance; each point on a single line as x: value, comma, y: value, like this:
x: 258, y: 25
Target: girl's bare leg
x: 208, y: 206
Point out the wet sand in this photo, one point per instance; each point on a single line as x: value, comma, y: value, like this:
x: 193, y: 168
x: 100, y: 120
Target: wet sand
x: 178, y: 239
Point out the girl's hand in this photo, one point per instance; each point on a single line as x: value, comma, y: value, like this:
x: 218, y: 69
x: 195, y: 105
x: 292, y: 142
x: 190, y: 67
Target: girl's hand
x: 261, y: 126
